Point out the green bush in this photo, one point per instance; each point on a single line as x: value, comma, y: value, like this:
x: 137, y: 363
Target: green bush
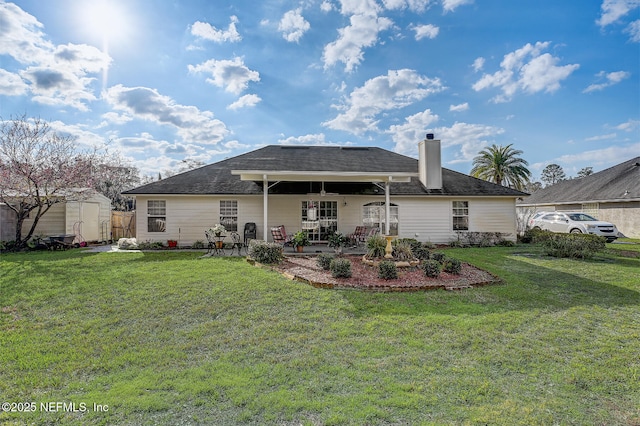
x: 438, y: 257
x: 198, y: 244
x: 264, y: 252
x: 403, y: 251
x: 431, y: 268
x: 324, y: 261
x: 422, y: 252
x: 387, y: 270
x: 576, y: 246
x: 452, y: 266
x: 340, y: 268
x: 150, y: 245
x: 376, y: 246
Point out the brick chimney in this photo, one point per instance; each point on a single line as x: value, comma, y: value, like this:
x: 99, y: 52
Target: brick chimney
x: 429, y: 164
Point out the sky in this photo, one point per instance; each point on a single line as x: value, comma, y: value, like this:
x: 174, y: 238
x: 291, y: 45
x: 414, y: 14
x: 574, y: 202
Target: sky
x: 163, y: 82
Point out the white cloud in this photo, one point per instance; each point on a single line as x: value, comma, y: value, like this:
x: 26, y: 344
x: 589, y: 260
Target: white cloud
x: 629, y: 125
x: 601, y: 137
x: 233, y: 76
x: 526, y: 69
x: 209, y: 32
x: 361, y: 33
x: 634, y: 31
x: 326, y: 6
x: 293, y: 25
x: 426, y: 31
x: 55, y: 75
x: 245, y: 102
x: 610, y: 79
x: 310, y: 139
x: 115, y: 118
x: 604, y: 157
x: 470, y: 138
x: 459, y: 107
x: 395, y: 90
x: 12, y: 84
x: 418, y: 6
x: 478, y: 64
x: 451, y: 5
x: 190, y: 123
x: 407, y: 135
x: 614, y: 10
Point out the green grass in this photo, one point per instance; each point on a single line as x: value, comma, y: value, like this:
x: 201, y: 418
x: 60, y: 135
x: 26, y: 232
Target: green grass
x: 168, y: 338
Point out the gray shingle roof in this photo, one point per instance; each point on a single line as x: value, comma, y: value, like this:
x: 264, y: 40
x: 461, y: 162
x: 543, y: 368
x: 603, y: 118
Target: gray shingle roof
x: 618, y: 183
x: 216, y: 178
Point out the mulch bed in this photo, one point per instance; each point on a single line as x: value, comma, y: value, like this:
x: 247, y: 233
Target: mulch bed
x: 365, y: 277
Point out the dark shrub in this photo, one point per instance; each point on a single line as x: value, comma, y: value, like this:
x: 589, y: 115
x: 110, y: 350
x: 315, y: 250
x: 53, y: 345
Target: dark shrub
x: 452, y: 266
x: 387, y: 270
x: 438, y: 256
x: 340, y: 268
x: 402, y: 251
x: 422, y: 252
x: 576, y: 246
x: 376, y: 246
x: 264, y: 252
x: 324, y: 261
x: 431, y: 268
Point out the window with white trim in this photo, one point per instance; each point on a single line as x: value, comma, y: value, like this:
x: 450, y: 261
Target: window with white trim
x: 460, y: 215
x: 229, y: 215
x: 374, y: 216
x: 156, y: 215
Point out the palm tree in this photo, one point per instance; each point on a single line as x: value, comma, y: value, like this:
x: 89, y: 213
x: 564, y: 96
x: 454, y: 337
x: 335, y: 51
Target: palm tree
x: 501, y: 165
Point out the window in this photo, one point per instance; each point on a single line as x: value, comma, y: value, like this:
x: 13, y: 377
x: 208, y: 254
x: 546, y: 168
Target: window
x: 373, y: 215
x: 229, y: 215
x: 460, y: 215
x: 156, y: 215
x: 319, y: 219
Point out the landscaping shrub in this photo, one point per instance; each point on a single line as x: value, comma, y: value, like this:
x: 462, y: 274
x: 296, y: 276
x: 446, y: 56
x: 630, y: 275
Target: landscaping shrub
x: 452, y: 266
x: 198, y: 244
x: 264, y: 252
x: 387, y: 270
x: 340, y: 268
x: 145, y: 245
x: 438, y: 257
x: 324, y: 261
x: 402, y: 251
x: 431, y: 268
x: 576, y: 246
x: 422, y: 251
x: 478, y: 239
x: 376, y: 246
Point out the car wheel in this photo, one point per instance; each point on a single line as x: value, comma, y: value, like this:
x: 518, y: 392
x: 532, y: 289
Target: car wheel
x: 576, y: 231
x: 537, y: 228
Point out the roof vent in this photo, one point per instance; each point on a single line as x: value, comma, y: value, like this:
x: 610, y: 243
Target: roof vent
x: 430, y: 136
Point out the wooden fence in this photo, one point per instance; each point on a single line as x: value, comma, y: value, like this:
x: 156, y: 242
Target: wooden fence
x: 123, y: 225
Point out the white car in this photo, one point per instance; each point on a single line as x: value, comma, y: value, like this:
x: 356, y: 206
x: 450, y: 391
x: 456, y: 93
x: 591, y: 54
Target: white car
x: 577, y: 223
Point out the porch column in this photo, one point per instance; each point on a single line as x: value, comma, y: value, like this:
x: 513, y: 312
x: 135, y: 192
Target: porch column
x: 265, y: 206
x: 387, y: 207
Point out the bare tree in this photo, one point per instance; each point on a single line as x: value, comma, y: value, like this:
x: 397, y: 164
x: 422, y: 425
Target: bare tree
x: 113, y: 176
x: 38, y: 169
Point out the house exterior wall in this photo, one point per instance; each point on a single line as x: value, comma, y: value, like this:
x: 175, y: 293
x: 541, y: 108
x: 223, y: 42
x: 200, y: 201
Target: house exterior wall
x: 51, y: 223
x: 7, y: 223
x: 95, y: 215
x: 424, y: 218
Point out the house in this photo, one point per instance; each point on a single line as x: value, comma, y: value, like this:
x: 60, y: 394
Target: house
x: 90, y: 218
x: 321, y: 189
x: 611, y: 195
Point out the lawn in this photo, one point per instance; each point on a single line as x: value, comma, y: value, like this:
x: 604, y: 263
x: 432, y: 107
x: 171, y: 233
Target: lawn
x: 168, y: 338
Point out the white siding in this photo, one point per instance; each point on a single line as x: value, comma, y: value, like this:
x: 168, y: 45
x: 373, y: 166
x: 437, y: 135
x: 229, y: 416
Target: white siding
x: 51, y: 223
x: 423, y: 218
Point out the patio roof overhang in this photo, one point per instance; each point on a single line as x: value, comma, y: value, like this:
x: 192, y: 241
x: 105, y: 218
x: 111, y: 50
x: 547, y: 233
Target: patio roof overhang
x: 276, y: 176
x: 322, y: 176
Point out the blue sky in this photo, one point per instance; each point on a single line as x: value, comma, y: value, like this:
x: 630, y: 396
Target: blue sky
x: 165, y: 81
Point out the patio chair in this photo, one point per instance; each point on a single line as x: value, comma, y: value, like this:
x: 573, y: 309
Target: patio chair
x: 279, y: 235
x: 358, y: 236
x: 249, y: 232
x: 236, y: 243
x: 211, y: 241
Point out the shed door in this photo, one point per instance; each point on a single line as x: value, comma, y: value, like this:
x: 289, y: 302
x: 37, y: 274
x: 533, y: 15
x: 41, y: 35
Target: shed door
x: 90, y: 217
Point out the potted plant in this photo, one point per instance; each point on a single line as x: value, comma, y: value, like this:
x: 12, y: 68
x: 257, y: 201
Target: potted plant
x: 172, y: 243
x: 336, y: 241
x: 218, y: 229
x: 299, y: 240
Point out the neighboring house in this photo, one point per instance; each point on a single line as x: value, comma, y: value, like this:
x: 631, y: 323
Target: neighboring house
x: 612, y: 195
x: 322, y: 189
x: 91, y: 218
